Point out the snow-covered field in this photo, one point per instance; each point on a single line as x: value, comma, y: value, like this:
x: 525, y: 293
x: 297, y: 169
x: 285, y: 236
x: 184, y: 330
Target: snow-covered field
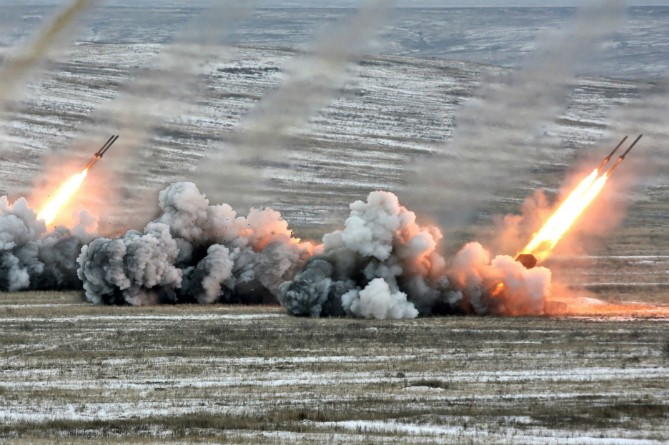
x: 71, y: 370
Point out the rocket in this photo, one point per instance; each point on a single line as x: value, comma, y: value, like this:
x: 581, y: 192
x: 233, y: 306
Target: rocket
x: 608, y: 158
x: 101, y: 152
x: 527, y: 259
x: 622, y: 157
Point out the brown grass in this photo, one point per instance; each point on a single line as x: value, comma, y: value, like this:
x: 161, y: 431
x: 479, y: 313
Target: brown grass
x: 244, y: 374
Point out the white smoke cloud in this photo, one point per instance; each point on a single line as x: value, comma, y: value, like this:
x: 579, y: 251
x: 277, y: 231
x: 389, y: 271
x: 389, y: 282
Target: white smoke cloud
x: 383, y: 264
x: 376, y: 300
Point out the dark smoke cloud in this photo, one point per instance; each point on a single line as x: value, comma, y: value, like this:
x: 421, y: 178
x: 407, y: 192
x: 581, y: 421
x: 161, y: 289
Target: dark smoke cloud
x: 193, y: 253
x: 383, y: 264
x: 32, y: 257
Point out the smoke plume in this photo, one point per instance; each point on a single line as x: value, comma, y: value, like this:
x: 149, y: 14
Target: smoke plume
x: 310, y: 83
x: 160, y: 91
x: 498, y: 135
x: 19, y: 66
x: 383, y: 264
x: 193, y: 253
x: 32, y: 257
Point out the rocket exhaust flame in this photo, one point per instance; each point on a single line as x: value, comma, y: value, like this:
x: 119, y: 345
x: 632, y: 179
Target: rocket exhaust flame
x: 63, y: 195
x: 565, y: 216
x: 578, y: 200
x: 50, y: 211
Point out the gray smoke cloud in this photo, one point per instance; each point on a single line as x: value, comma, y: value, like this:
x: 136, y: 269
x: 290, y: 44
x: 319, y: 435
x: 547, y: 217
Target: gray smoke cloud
x: 311, y: 81
x: 193, y: 252
x: 383, y: 264
x: 33, y: 258
x: 498, y: 135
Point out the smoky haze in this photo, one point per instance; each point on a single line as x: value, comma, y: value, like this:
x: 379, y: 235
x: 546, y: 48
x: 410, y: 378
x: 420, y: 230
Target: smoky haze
x: 18, y: 67
x: 311, y: 81
x: 24, y: 62
x: 497, y: 137
x: 167, y: 87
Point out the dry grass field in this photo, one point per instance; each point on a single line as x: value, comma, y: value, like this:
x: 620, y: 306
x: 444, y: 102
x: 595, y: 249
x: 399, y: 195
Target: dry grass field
x: 74, y: 372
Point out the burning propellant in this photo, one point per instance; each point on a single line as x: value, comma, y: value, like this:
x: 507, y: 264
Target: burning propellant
x: 566, y: 215
x: 50, y: 210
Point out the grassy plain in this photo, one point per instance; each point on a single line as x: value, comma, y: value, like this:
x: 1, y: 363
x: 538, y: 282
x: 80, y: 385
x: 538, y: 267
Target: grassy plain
x: 74, y: 372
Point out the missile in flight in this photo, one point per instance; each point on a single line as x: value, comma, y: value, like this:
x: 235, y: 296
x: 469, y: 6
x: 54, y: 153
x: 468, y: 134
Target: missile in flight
x: 101, y: 152
x: 622, y: 157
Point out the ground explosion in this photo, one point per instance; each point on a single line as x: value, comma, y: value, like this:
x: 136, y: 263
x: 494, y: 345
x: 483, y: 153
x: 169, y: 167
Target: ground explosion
x: 383, y: 264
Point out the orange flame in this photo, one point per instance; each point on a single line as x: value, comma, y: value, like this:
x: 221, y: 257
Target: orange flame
x: 64, y: 193
x: 498, y: 289
x: 566, y: 215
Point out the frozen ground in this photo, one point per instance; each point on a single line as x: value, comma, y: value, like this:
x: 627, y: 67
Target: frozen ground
x: 494, y: 36
x: 73, y: 371
x: 392, y: 110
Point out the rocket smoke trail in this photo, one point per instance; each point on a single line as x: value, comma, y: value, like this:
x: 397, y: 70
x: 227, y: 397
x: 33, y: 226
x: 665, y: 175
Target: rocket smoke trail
x: 311, y: 81
x: 492, y: 143
x: 155, y: 95
x: 25, y: 60
x: 649, y: 112
x: 31, y: 257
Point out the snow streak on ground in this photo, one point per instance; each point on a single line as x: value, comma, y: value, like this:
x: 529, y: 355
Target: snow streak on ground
x: 77, y: 370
